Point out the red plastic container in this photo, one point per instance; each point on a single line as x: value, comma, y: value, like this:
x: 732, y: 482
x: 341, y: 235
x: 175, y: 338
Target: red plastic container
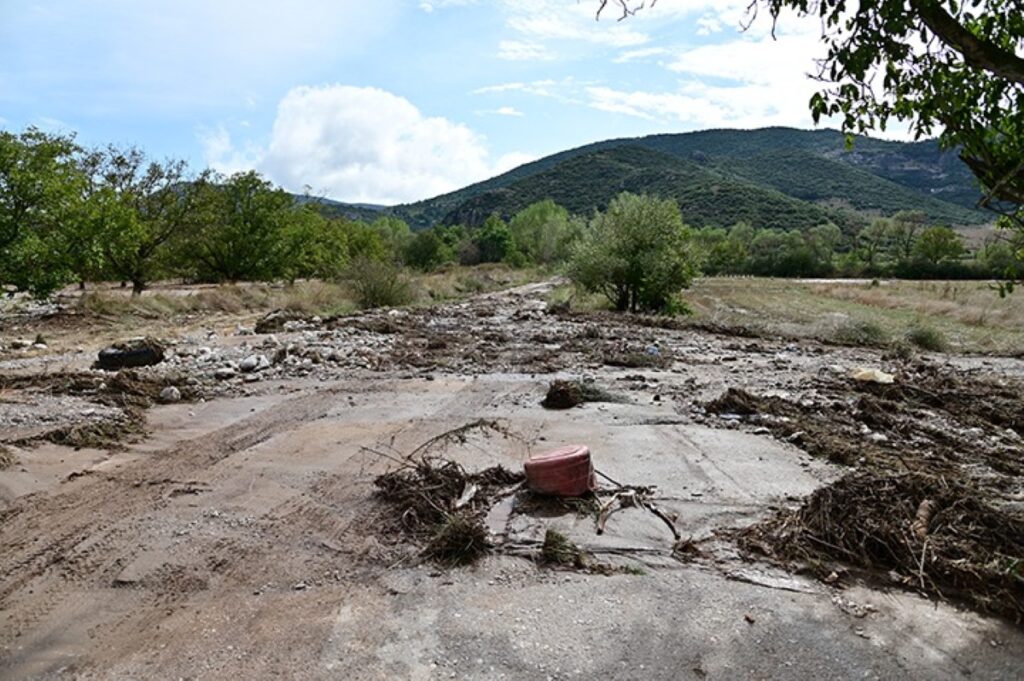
x: 564, y: 472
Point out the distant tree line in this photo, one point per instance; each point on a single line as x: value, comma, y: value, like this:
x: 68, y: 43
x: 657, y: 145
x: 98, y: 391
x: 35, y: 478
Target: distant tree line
x: 74, y: 215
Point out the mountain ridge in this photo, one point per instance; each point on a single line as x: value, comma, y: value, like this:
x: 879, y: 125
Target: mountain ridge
x: 812, y: 167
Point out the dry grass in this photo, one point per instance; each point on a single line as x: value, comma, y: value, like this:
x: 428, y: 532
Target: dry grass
x: 310, y: 297
x: 457, y: 282
x: 968, y: 315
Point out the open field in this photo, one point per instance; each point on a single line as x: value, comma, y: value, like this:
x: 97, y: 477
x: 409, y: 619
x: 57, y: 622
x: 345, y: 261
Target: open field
x: 236, y: 530
x: 968, y: 314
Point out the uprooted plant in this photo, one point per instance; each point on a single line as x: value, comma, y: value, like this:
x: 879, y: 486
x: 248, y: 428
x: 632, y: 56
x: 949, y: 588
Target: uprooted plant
x: 440, y: 505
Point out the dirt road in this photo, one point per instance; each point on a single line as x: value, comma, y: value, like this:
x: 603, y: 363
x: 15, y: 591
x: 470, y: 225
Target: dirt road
x: 238, y: 538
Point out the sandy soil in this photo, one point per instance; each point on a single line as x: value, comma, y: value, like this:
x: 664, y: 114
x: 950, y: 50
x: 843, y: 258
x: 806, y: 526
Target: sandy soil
x: 239, y: 537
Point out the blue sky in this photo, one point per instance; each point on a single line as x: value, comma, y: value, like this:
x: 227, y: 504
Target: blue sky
x: 385, y: 101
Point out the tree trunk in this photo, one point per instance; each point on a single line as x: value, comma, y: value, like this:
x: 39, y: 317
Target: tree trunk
x: 138, y: 286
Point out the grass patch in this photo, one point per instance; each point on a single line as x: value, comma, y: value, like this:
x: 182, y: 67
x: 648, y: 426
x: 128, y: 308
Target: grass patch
x: 558, y: 550
x: 969, y: 314
x: 459, y: 539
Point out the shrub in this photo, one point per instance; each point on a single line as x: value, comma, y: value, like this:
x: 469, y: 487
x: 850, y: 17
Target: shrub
x: 860, y: 333
x: 638, y: 254
x: 927, y: 338
x: 379, y: 284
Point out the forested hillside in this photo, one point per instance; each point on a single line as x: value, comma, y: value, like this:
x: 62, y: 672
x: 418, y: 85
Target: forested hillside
x: 876, y: 177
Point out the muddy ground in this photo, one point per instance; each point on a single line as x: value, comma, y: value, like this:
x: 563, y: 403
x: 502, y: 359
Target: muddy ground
x: 235, y: 531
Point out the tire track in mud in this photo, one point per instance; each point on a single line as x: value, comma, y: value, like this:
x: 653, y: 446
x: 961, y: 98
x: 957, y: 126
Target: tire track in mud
x: 96, y: 519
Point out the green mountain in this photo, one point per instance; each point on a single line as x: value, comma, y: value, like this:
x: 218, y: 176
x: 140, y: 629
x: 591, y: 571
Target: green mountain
x: 811, y: 177
x: 771, y: 177
x: 588, y: 182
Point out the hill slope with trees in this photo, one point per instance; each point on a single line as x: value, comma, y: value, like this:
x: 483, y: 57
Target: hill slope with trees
x: 587, y: 183
x: 806, y: 165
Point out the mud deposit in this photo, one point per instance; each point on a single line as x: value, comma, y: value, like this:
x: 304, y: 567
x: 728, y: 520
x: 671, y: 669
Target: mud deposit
x: 276, y: 516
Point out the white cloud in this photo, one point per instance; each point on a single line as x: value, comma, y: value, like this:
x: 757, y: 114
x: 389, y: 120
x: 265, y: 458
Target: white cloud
x: 515, y: 50
x: 708, y: 24
x: 508, y: 111
x: 431, y: 5
x: 541, y: 88
x: 560, y: 25
x: 543, y: 24
x: 221, y: 154
x: 365, y: 145
x: 509, y: 161
x: 642, y: 53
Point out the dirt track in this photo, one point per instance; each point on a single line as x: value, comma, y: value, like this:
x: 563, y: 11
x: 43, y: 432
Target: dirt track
x: 238, y: 538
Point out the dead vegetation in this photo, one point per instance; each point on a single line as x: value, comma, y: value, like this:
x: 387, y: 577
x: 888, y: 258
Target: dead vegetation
x: 922, y: 532
x: 935, y: 501
x: 564, y: 394
x: 129, y: 391
x: 435, y: 502
x: 128, y: 426
x: 7, y: 458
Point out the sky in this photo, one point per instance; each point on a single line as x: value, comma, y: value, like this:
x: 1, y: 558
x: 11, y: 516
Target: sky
x: 388, y: 101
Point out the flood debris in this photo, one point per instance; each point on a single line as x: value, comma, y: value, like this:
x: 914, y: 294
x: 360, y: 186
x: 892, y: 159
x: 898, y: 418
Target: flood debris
x: 872, y: 376
x: 460, y: 538
x: 275, y: 321
x: 924, y: 532
x: 565, y: 472
x: 934, y: 497
x: 435, y: 503
x: 566, y: 394
x: 137, y: 352
x: 7, y: 457
x: 557, y: 549
x: 650, y: 358
x: 563, y: 395
x: 124, y: 396
x: 633, y: 497
x: 126, y: 426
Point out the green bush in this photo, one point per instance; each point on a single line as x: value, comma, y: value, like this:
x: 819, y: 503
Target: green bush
x: 638, y: 254
x: 864, y: 333
x: 379, y: 284
x: 927, y: 338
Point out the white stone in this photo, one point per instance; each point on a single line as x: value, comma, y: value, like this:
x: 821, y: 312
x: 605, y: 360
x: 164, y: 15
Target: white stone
x: 170, y: 394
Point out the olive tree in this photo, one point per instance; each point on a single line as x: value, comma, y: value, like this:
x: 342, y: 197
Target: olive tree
x: 638, y: 254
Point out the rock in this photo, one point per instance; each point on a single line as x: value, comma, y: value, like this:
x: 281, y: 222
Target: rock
x: 137, y: 352
x: 276, y: 321
x: 254, y: 363
x: 224, y: 373
x: 170, y: 395
x: 21, y: 343
x: 39, y: 346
